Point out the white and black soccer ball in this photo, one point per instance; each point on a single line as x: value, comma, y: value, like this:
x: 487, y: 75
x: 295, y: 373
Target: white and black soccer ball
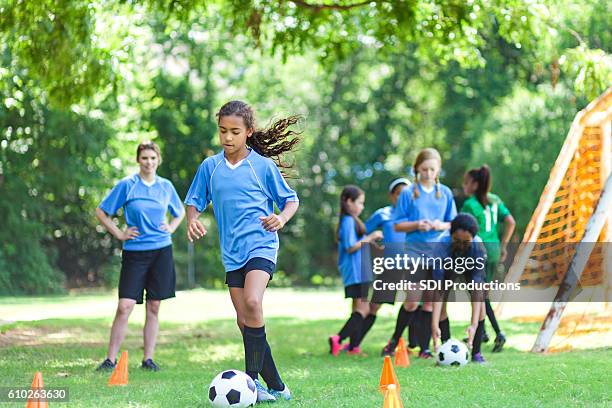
x: 232, y: 388
x: 452, y: 353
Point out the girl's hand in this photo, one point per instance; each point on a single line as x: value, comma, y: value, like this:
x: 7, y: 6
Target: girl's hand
x: 129, y: 233
x: 424, y: 225
x: 437, y: 225
x: 375, y: 236
x: 272, y: 222
x: 167, y: 228
x: 435, y: 335
x: 504, y: 254
x: 195, y: 230
x: 471, y: 330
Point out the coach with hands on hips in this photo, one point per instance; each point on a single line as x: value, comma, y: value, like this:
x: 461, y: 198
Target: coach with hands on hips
x: 146, y: 260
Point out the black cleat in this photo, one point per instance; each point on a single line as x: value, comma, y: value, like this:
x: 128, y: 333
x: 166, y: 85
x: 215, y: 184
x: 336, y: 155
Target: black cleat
x: 485, y: 337
x: 389, y: 349
x: 149, y: 365
x: 107, y: 365
x: 500, y: 340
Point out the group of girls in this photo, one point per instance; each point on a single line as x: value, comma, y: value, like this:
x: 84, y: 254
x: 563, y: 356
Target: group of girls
x: 423, y: 217
x: 243, y: 182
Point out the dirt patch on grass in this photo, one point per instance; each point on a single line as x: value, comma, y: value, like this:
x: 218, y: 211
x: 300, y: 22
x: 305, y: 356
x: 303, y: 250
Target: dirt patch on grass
x: 42, y: 335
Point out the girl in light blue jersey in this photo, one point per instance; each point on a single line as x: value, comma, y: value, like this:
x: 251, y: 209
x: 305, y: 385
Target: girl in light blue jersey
x: 351, y: 235
x: 146, y: 260
x: 243, y: 184
x: 424, y: 212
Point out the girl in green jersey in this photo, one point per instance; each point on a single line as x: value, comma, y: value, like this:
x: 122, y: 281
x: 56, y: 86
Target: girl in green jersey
x: 489, y: 210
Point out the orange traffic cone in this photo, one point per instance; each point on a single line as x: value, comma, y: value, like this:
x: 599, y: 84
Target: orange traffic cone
x: 401, y: 354
x: 120, y: 374
x: 388, y: 375
x: 37, y: 384
x: 392, y: 398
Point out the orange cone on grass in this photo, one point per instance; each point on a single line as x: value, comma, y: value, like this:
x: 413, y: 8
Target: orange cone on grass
x: 401, y: 354
x: 37, y: 384
x: 120, y: 374
x: 392, y: 398
x: 388, y: 375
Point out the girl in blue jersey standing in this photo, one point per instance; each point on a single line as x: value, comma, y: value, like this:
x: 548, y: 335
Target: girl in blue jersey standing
x: 243, y: 184
x: 383, y: 219
x: 424, y: 212
x: 146, y: 260
x: 351, y: 235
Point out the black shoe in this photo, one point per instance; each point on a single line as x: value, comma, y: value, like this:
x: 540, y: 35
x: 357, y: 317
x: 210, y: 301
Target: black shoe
x: 485, y: 337
x: 148, y: 364
x: 107, y: 365
x: 500, y: 340
x: 389, y: 349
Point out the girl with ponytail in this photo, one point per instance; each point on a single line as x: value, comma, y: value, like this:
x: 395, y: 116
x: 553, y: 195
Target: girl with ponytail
x: 351, y: 234
x: 488, y: 209
x: 243, y: 182
x: 424, y: 212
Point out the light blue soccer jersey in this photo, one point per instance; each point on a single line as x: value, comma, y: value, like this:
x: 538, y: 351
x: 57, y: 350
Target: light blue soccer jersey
x: 240, y: 195
x: 426, y: 206
x: 383, y: 219
x: 349, y: 264
x: 144, y: 207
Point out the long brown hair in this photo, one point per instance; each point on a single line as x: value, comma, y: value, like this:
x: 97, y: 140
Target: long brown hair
x: 482, y: 176
x: 270, y: 142
x: 352, y: 193
x: 426, y: 154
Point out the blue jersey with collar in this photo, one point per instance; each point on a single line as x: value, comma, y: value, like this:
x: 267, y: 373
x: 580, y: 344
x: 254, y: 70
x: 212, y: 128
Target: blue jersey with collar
x: 144, y: 207
x: 349, y: 264
x: 241, y: 194
x: 383, y: 219
x: 426, y: 206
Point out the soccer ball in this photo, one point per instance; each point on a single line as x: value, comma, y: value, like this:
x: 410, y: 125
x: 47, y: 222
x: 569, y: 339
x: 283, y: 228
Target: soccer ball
x: 452, y: 353
x: 232, y: 388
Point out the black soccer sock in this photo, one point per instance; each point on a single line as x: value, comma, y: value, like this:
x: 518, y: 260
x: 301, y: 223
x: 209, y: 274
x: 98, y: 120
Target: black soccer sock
x: 424, y: 331
x: 413, y: 338
x: 357, y: 331
x: 349, y: 326
x: 404, y: 318
x: 445, y: 332
x: 491, y: 316
x: 478, y: 338
x: 368, y: 322
x: 269, y: 372
x: 254, y: 349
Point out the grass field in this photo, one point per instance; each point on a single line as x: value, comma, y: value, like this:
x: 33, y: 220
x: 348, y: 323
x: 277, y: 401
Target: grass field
x: 194, y: 345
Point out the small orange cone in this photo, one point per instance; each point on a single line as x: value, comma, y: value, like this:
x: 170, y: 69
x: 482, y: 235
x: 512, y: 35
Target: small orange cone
x: 120, y: 374
x: 401, y: 354
x: 37, y: 384
x: 392, y: 398
x: 388, y: 375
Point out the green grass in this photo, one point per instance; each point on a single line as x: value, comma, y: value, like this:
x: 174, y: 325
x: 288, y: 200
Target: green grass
x: 191, y: 354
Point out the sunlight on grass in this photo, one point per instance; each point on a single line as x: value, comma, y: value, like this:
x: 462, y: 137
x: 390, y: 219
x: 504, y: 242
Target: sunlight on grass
x: 215, y: 353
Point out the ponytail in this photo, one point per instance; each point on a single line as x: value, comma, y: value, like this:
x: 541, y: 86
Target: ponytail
x: 482, y: 176
x: 270, y: 142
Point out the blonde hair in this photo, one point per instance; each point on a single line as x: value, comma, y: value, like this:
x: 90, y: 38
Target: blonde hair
x: 426, y: 154
x: 148, y: 145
